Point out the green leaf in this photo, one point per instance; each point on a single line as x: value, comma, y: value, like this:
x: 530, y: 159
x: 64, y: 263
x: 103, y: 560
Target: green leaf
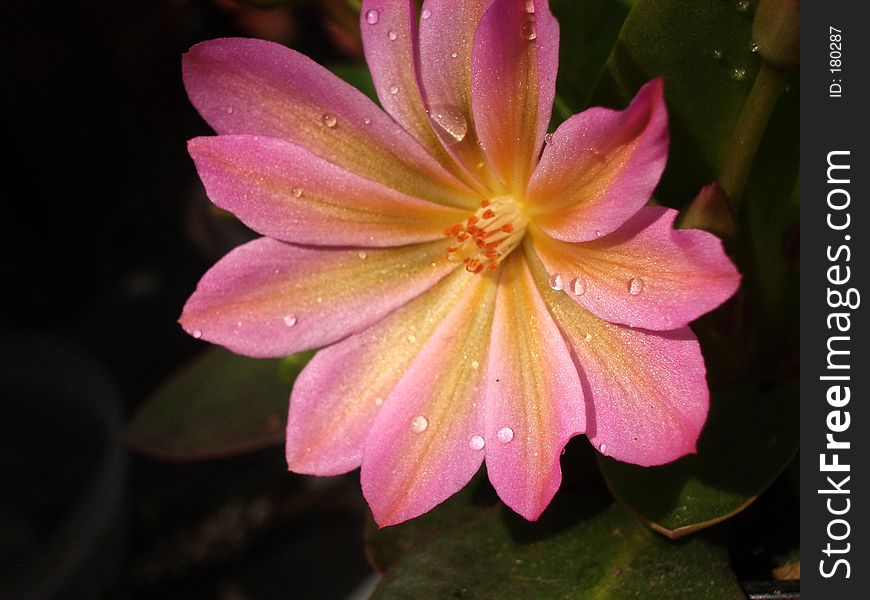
x: 583, y: 547
x: 702, y: 50
x: 587, y: 30
x: 358, y: 76
x: 220, y: 404
x: 749, y: 438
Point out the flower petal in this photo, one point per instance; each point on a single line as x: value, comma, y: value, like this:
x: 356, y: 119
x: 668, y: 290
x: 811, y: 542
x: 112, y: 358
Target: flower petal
x: 268, y: 298
x: 243, y: 86
x: 425, y: 443
x: 446, y: 43
x: 645, y: 274
x: 283, y: 191
x: 534, y: 400
x: 338, y: 395
x: 514, y: 64
x: 600, y: 167
x: 646, y: 391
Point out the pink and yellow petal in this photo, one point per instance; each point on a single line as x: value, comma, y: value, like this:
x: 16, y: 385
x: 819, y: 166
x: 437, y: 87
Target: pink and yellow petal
x: 283, y: 191
x: 534, y: 399
x: 339, y: 393
x: 645, y: 274
x: 268, y: 298
x: 647, y: 396
x: 514, y: 64
x: 427, y: 441
x: 245, y: 86
x: 600, y: 167
x: 446, y: 43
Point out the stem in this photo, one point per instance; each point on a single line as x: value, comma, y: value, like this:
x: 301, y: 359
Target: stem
x: 749, y: 130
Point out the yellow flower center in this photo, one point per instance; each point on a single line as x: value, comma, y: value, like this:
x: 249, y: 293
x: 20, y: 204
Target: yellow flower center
x: 488, y: 235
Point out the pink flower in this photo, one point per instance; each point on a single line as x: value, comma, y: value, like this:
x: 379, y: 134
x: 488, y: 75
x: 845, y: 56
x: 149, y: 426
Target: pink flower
x: 477, y: 299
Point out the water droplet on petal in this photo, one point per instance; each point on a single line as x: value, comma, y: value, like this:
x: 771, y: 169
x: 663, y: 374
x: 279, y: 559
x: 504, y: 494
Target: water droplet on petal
x: 528, y: 29
x: 367, y: 121
x: 454, y: 54
x: 392, y: 35
x: 289, y: 320
x: 474, y: 364
x: 530, y: 6
x: 372, y: 16
x: 556, y: 282
x: 329, y: 120
x: 229, y: 110
x: 419, y: 424
x: 505, y: 435
x: 602, y: 448
x: 449, y: 122
x: 548, y: 139
x: 738, y: 73
x: 635, y: 286
x: 426, y: 13
x: 412, y: 338
x: 362, y: 255
x: 588, y: 337
x: 578, y: 286
x: 394, y: 89
x: 196, y: 333
x: 379, y: 401
x: 476, y: 442
x: 597, y: 233
x: 297, y: 192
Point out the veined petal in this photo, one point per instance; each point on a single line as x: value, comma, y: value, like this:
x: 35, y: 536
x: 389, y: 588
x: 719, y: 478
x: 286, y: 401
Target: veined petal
x: 646, y: 391
x: 446, y: 43
x: 244, y: 86
x: 337, y: 396
x: 600, y: 167
x: 283, y: 191
x: 514, y: 64
x: 268, y: 298
x: 534, y: 400
x: 426, y: 442
x: 645, y: 274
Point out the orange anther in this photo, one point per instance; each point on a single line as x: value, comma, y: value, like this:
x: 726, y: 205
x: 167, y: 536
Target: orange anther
x: 488, y: 213
x: 507, y: 227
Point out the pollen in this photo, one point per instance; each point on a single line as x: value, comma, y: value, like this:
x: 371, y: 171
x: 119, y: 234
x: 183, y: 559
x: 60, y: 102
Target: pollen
x: 487, y: 236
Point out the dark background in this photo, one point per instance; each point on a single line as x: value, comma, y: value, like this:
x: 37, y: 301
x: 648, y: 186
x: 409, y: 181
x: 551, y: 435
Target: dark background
x: 106, y: 231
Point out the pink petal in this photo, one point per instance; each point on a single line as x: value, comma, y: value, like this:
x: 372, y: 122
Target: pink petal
x: 600, y: 167
x: 424, y: 445
x: 243, y: 86
x: 268, y: 298
x: 283, y: 191
x: 645, y: 274
x: 534, y: 399
x: 646, y: 392
x: 515, y: 59
x: 339, y: 393
x: 446, y: 43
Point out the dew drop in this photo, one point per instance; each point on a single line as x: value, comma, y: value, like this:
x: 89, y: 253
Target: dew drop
x: 449, y: 122
x: 528, y: 29
x: 578, y: 286
x: 548, y: 139
x: 329, y: 120
x: 229, y: 110
x: 454, y: 54
x: 530, y: 6
x: 588, y: 337
x: 635, y: 286
x: 753, y: 46
x: 474, y: 364
x: 289, y: 320
x: 412, y: 338
x: 476, y: 442
x: 742, y: 5
x: 394, y: 89
x: 392, y: 35
x: 196, y: 333
x: 297, y: 192
x: 419, y: 424
x: 505, y: 435
x: 556, y: 282
x: 372, y: 16
x: 602, y: 448
x: 379, y: 401
x: 717, y: 54
x: 426, y: 13
x: 738, y: 73
x: 362, y: 255
x: 597, y: 233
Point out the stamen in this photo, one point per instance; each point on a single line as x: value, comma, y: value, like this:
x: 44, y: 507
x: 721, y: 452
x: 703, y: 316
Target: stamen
x: 487, y: 236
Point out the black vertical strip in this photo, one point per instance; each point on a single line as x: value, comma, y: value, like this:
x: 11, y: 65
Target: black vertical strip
x: 835, y: 368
